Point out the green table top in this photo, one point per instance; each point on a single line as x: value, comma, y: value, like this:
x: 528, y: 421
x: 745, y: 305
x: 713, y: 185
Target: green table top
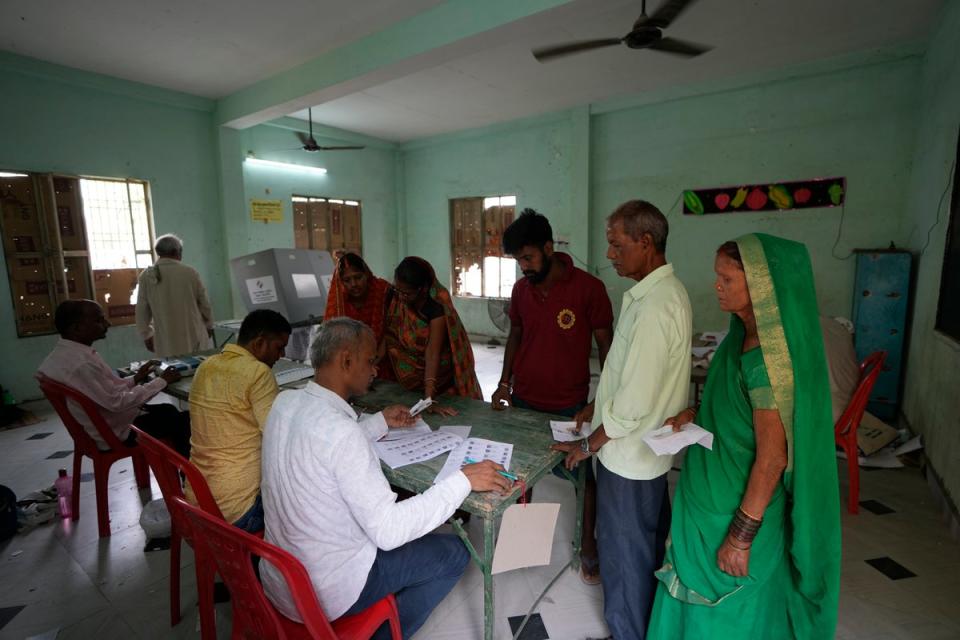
x: 528, y: 431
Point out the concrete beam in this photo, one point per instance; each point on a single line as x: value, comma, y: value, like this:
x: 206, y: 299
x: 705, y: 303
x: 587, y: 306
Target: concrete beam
x: 448, y: 31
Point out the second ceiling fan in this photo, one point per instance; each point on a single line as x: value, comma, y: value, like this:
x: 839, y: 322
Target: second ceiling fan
x: 310, y: 143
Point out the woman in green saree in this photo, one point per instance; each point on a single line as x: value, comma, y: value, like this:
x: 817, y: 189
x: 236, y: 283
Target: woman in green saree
x: 754, y: 549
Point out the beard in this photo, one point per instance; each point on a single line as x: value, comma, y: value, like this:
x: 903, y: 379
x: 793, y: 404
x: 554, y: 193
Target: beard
x: 536, y: 277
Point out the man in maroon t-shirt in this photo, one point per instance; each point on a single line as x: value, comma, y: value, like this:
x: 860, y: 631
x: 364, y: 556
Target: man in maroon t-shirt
x: 555, y: 312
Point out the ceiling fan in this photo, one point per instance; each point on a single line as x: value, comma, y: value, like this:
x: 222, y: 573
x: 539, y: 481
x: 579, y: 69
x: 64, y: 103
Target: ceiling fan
x: 647, y: 33
x: 310, y: 143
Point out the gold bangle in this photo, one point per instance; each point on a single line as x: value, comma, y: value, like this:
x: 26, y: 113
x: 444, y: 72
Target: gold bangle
x: 754, y: 518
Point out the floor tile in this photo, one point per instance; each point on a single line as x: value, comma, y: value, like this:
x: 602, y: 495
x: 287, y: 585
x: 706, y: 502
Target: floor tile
x: 65, y: 577
x: 891, y: 568
x: 876, y: 507
x: 9, y: 613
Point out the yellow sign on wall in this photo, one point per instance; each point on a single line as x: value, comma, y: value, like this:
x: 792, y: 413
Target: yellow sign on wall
x: 266, y: 210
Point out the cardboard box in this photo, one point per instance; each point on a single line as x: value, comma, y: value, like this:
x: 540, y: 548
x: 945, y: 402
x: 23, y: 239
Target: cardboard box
x: 874, y: 434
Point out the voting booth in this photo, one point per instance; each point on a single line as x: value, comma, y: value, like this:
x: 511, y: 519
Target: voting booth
x: 294, y: 282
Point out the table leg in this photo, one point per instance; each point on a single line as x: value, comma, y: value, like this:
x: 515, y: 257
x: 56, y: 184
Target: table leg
x: 486, y: 566
x: 579, y: 484
x: 488, y: 548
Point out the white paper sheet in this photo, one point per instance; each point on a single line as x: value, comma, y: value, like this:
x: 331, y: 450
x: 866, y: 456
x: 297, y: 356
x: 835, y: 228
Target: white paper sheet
x: 912, y: 444
x: 526, y: 536
x: 400, y: 453
x: 419, y: 428
x: 713, y: 336
x: 461, y: 431
x: 563, y: 431
x: 420, y: 406
x: 476, y: 449
x: 262, y: 290
x: 701, y: 352
x: 664, y: 441
x: 883, y: 459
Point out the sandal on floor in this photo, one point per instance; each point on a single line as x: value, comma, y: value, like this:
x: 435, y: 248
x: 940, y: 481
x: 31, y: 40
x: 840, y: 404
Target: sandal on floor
x: 590, y: 571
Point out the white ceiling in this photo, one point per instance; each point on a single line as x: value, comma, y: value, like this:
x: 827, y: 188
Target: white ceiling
x: 216, y: 47
x: 207, y: 48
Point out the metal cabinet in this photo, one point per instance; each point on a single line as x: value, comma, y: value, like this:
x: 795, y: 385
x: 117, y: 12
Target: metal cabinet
x: 881, y: 297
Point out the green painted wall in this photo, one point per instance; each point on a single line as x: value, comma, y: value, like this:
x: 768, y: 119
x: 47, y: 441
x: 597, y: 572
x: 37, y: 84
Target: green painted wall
x: 366, y: 175
x: 55, y: 119
x: 857, y: 122
x: 536, y: 160
x: 931, y: 402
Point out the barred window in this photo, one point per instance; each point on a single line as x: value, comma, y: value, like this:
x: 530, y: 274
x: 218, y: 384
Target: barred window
x: 480, y: 268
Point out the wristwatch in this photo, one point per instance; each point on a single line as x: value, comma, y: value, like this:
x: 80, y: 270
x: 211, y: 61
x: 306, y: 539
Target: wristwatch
x: 585, y: 446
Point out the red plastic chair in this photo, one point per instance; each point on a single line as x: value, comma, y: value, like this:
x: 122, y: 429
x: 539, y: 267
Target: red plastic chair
x: 254, y: 616
x: 84, y: 445
x: 845, y: 429
x: 167, y: 466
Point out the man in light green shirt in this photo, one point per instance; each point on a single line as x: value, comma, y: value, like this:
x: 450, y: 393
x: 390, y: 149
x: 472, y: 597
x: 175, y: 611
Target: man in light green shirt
x: 645, y: 380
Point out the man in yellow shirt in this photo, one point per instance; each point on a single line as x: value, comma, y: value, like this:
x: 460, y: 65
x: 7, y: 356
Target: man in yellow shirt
x: 231, y: 395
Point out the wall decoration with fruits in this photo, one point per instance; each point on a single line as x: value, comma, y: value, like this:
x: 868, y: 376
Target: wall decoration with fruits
x: 779, y: 196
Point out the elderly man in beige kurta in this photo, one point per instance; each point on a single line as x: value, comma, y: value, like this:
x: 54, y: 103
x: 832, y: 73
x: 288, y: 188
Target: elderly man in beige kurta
x: 173, y: 312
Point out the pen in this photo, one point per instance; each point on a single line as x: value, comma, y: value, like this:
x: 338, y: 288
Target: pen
x: 505, y: 474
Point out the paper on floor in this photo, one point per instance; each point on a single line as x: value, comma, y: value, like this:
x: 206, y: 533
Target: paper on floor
x: 701, y: 352
x: 713, y: 336
x: 665, y: 441
x: 526, y: 536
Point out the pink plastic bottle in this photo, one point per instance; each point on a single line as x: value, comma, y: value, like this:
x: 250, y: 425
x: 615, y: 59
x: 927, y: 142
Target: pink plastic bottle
x: 64, y: 486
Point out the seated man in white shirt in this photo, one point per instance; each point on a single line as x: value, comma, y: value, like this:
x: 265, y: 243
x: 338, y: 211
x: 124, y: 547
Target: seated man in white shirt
x: 327, y: 502
x: 75, y: 363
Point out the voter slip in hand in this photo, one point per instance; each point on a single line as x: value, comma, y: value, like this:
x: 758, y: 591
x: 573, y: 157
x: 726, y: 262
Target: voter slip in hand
x: 564, y: 431
x: 665, y: 441
x: 420, y: 406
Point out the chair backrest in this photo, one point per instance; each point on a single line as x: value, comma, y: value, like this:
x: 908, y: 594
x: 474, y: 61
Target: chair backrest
x: 58, y: 394
x: 254, y: 616
x: 167, y: 466
x: 869, y: 371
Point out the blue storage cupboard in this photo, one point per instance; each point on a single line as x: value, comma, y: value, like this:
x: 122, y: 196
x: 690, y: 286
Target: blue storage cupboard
x: 881, y: 297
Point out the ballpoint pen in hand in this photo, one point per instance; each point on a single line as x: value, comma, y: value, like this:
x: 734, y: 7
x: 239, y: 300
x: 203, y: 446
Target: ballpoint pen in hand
x: 505, y: 474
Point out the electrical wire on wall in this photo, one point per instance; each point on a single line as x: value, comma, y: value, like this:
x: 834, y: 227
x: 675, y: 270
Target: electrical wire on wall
x: 833, y: 250
x: 946, y: 189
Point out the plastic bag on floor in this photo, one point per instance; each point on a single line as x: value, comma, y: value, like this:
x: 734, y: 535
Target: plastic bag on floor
x: 155, y: 519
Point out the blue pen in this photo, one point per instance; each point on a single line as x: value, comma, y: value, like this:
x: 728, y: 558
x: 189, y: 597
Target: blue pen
x: 505, y: 474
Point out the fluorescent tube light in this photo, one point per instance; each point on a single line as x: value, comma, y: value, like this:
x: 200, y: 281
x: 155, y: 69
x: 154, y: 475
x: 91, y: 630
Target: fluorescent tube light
x: 9, y: 174
x: 273, y: 164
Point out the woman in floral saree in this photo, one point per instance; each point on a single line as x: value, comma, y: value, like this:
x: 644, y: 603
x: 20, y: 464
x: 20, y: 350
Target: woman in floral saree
x: 426, y: 346
x: 754, y: 549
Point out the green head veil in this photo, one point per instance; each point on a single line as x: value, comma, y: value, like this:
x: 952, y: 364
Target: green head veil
x: 780, y: 280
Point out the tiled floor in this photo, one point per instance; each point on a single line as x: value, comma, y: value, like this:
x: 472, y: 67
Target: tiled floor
x: 65, y: 578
